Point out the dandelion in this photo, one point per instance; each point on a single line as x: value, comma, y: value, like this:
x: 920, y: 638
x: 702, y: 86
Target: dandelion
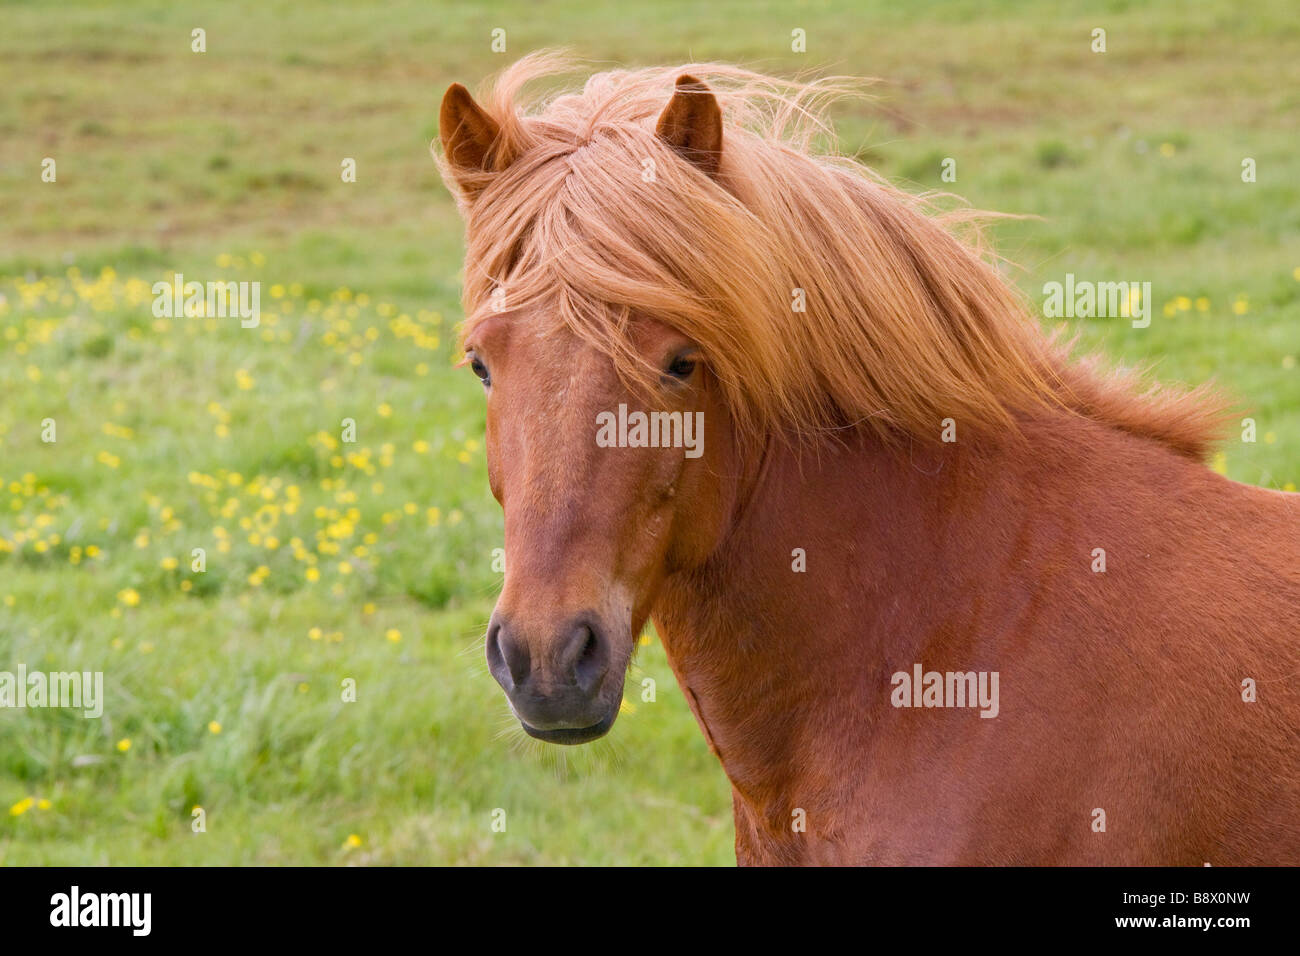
x: 393, y: 634
x: 129, y: 596
x: 352, y: 842
x: 214, y: 727
x: 124, y: 744
x: 21, y: 807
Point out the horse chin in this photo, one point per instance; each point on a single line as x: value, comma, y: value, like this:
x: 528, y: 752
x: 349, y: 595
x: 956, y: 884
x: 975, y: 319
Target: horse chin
x: 573, y: 735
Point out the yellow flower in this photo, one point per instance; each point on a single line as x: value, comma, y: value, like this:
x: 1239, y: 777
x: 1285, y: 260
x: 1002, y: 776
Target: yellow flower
x: 129, y: 596
x: 43, y: 804
x: 315, y: 632
x: 312, y: 574
x: 124, y: 744
x: 21, y: 807
x: 385, y: 410
x: 352, y: 842
x: 214, y: 727
x: 393, y: 634
x: 168, y: 564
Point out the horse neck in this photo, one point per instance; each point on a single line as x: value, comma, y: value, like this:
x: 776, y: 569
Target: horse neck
x: 769, y: 647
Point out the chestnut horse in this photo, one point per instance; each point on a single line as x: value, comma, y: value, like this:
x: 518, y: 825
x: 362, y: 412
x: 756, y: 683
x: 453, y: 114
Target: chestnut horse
x: 936, y: 592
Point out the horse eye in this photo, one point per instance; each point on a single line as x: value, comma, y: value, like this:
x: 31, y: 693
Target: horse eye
x: 479, y: 368
x: 682, y: 366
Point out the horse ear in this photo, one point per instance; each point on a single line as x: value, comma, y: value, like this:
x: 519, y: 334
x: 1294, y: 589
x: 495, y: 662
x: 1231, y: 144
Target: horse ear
x: 471, y: 139
x: 691, y: 124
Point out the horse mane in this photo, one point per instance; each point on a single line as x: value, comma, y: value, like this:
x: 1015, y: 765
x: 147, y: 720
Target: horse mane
x: 594, y: 220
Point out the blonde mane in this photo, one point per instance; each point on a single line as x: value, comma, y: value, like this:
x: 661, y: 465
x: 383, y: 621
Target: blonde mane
x: 594, y: 220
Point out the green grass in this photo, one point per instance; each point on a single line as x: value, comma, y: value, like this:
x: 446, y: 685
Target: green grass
x: 226, y: 165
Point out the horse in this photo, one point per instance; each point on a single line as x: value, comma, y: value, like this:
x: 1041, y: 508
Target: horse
x: 936, y: 590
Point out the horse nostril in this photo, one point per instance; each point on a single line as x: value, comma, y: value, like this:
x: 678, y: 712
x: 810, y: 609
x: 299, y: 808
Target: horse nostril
x: 507, y: 659
x: 592, y: 661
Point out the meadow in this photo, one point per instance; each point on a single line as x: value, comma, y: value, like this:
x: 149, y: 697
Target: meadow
x: 327, y: 561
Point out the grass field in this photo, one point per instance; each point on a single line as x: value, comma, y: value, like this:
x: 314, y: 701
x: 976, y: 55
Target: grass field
x: 372, y: 561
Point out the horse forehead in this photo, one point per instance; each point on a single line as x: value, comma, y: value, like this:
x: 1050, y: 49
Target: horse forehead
x: 563, y: 371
